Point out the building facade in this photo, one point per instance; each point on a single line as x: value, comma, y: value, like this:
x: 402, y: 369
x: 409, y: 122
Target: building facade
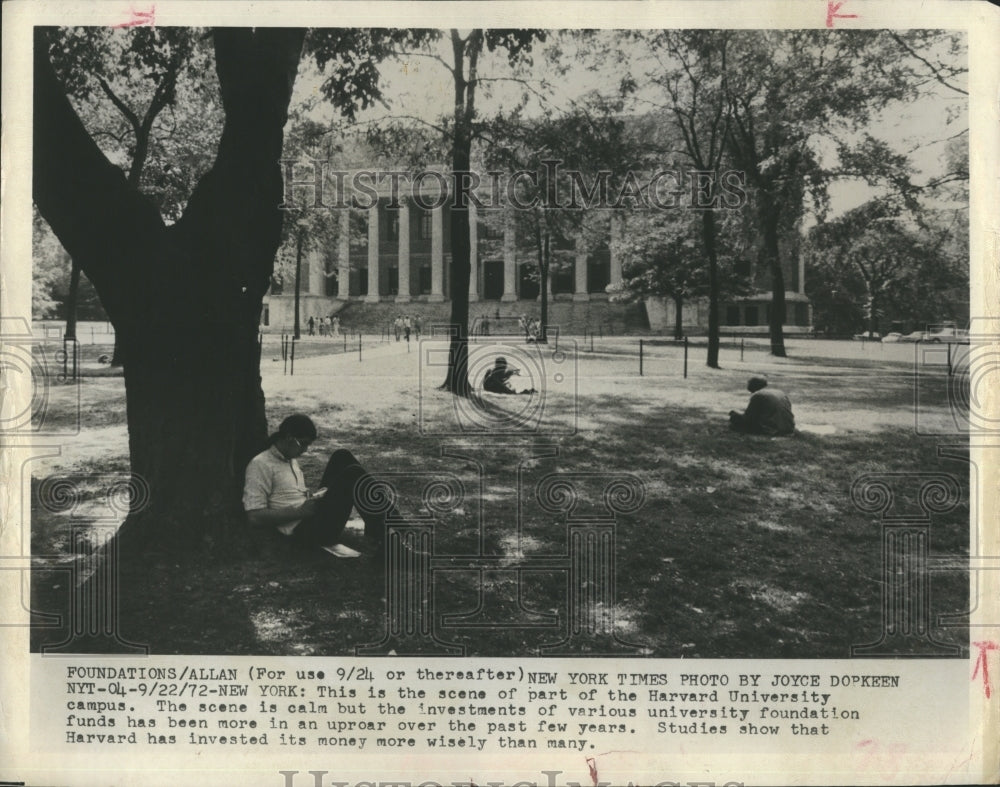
x: 387, y: 254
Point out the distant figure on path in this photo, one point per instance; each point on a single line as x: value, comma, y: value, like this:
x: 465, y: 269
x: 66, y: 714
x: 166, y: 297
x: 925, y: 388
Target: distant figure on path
x: 336, y: 326
x: 312, y: 326
x: 497, y: 377
x: 407, y: 327
x: 769, y: 411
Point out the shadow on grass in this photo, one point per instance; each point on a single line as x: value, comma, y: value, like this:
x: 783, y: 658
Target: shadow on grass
x: 745, y: 547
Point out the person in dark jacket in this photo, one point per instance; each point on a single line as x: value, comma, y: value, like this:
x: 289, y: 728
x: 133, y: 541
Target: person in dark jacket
x: 497, y: 377
x: 769, y: 411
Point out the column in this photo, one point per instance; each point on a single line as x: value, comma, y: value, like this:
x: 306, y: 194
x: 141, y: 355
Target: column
x: 580, y: 268
x: 344, y: 256
x: 802, y: 274
x: 616, y: 260
x: 372, y: 296
x: 317, y: 281
x: 404, y: 251
x: 509, y: 259
x: 437, y: 255
x: 473, y: 253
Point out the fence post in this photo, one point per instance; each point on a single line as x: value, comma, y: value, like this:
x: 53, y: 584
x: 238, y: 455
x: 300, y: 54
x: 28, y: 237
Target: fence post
x: 742, y: 339
x: 949, y: 359
x: 345, y: 341
x: 685, y: 357
x: 591, y: 341
x: 292, y: 370
x: 640, y: 357
x: 359, y: 346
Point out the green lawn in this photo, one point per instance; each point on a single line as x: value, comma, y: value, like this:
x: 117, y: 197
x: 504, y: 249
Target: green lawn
x: 745, y: 546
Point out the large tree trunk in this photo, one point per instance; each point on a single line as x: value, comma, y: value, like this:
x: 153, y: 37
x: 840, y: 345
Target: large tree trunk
x: 185, y: 300
x: 457, y: 379
x: 873, y: 307
x: 708, y: 237
x: 772, y: 253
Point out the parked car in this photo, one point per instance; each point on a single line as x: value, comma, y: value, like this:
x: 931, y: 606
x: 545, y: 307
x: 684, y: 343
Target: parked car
x: 916, y: 336
x: 891, y: 337
x: 875, y: 336
x: 947, y: 334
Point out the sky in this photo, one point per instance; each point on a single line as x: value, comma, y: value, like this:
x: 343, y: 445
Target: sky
x: 420, y: 86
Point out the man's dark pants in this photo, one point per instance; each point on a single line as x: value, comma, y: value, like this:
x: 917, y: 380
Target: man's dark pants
x: 346, y: 482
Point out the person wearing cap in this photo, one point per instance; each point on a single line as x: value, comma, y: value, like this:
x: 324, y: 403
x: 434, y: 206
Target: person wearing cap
x: 497, y: 377
x: 769, y: 411
x: 275, y: 493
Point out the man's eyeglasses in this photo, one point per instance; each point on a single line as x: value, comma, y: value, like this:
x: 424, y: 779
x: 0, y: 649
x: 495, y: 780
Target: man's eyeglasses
x: 302, y: 444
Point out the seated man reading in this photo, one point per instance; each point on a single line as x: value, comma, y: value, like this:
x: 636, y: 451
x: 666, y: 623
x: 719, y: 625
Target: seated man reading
x: 275, y: 493
x: 769, y: 411
x: 497, y: 377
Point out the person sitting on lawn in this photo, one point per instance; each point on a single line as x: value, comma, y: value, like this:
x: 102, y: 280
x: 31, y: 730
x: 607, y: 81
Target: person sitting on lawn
x: 769, y: 411
x: 497, y: 377
x: 275, y: 493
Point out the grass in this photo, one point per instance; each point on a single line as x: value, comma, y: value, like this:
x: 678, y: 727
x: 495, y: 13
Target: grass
x: 745, y: 546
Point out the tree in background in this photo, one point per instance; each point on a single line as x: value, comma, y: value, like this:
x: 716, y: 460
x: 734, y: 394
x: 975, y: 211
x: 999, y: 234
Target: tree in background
x: 789, y: 89
x: 897, y: 266
x: 351, y: 58
x: 693, y: 73
x: 49, y: 265
x: 192, y: 363
x: 663, y: 257
x: 588, y: 147
x: 306, y: 229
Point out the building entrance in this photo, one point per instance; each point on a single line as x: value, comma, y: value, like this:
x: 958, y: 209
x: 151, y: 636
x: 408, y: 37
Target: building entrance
x: 493, y: 280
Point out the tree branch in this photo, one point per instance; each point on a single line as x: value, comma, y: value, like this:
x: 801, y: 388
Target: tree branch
x: 935, y: 71
x: 120, y: 105
x: 105, y: 225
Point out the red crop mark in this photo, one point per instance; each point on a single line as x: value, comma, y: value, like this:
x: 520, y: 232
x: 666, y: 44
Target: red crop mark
x: 592, y: 765
x: 982, y: 663
x: 831, y: 13
x: 140, y: 18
